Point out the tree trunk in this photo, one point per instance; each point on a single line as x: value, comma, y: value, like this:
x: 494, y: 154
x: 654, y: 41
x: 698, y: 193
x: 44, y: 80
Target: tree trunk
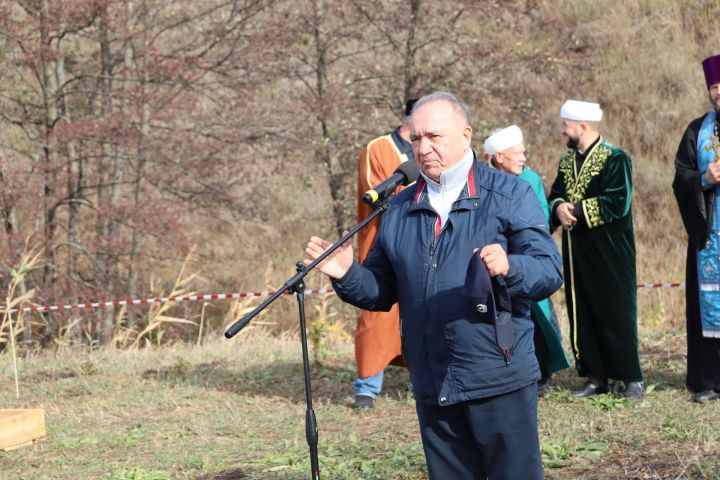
x: 325, y: 151
x: 73, y: 172
x: 46, y: 161
x: 107, y: 193
x: 49, y: 175
x: 410, y: 73
x: 136, y: 237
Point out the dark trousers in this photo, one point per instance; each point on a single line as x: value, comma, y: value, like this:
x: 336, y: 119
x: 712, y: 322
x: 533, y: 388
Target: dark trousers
x: 490, y: 438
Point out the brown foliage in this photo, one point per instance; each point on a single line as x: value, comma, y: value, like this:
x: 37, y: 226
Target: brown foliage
x: 132, y: 131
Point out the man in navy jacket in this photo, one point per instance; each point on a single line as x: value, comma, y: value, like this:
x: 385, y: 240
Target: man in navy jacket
x: 477, y: 408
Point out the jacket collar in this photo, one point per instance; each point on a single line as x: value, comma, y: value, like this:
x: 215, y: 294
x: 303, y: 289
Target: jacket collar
x: 470, y: 189
x: 454, y: 176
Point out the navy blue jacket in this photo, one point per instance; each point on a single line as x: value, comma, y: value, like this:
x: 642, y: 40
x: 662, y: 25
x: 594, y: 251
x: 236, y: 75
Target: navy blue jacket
x: 451, y: 355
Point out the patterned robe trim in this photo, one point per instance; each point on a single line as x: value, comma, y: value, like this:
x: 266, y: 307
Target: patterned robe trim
x: 567, y: 168
x: 574, y: 329
x: 576, y: 183
x: 591, y: 209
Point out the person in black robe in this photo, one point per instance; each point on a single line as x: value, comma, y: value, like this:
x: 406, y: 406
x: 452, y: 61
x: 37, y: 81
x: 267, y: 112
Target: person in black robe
x: 696, y: 201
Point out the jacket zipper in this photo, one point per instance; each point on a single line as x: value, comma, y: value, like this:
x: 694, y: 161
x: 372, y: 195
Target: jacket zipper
x: 433, y: 244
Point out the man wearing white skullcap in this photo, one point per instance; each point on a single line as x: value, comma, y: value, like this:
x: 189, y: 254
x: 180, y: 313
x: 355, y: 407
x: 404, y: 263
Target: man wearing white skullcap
x: 591, y: 199
x: 504, y: 150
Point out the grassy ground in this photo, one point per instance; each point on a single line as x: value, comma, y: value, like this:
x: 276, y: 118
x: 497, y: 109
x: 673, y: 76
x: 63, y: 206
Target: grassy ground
x: 235, y: 410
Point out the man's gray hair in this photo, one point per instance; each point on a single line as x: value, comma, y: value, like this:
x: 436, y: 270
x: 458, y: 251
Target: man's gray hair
x: 451, y: 98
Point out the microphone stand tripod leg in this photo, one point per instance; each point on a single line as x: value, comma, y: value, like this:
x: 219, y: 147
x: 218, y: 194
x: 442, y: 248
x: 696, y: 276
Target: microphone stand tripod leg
x: 311, y: 429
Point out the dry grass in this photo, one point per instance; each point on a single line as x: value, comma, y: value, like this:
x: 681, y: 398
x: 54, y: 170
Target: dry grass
x: 28, y: 261
x: 235, y: 410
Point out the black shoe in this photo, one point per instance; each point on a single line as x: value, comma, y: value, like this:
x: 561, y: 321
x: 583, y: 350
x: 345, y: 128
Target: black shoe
x: 543, y: 387
x: 705, y: 396
x: 363, y: 402
x: 592, y: 387
x: 634, y: 390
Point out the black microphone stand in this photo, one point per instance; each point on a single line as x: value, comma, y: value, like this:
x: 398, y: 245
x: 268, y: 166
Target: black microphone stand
x: 296, y: 285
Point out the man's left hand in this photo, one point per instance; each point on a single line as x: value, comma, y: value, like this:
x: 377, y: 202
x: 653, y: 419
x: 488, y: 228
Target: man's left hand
x: 495, y: 259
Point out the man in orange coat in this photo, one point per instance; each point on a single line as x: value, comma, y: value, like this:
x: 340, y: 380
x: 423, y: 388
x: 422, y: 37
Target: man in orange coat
x: 377, y: 336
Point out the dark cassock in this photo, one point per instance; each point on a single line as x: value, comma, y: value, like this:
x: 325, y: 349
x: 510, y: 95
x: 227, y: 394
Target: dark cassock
x: 696, y: 206
x: 696, y: 199
x: 599, y: 260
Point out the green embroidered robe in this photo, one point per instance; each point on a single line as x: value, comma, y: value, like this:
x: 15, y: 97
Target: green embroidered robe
x: 599, y: 261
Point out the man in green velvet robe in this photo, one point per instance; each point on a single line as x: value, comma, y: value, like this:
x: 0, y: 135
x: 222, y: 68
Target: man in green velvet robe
x: 591, y: 200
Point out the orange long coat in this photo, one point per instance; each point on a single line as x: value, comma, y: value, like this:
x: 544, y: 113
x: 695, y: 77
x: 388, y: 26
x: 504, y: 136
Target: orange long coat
x: 377, y: 336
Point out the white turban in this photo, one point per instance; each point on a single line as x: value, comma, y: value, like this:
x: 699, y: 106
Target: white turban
x: 503, y: 139
x: 581, y: 111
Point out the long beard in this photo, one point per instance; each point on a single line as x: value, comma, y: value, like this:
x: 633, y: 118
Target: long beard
x: 573, y: 142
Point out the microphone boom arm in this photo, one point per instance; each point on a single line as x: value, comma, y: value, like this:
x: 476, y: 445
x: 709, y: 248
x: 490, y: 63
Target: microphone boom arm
x: 289, y: 285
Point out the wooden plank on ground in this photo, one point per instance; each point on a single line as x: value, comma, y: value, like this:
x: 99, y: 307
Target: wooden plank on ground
x: 18, y: 427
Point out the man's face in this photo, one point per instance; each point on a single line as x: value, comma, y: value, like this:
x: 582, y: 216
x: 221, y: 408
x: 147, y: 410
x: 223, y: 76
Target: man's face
x: 511, y: 160
x: 571, y: 131
x: 439, y: 137
x: 714, y: 94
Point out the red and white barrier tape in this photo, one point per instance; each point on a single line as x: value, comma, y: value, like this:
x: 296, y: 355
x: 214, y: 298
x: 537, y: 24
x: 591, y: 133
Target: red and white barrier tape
x: 144, y: 301
x: 220, y: 296
x: 661, y: 285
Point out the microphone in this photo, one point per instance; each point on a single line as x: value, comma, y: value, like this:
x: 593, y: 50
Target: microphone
x: 404, y: 175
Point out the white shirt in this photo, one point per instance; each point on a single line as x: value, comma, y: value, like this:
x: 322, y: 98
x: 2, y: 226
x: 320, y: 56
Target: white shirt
x: 442, y: 194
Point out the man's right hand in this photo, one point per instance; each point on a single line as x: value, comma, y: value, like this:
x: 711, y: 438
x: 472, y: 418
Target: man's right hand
x: 564, y: 214
x: 337, y: 264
